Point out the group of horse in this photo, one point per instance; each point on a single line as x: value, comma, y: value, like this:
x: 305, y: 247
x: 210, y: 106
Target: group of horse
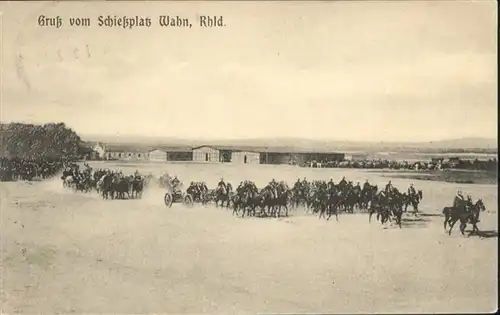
x: 465, y: 211
x: 108, y: 184
x: 322, y: 198
x: 319, y: 197
x: 16, y: 168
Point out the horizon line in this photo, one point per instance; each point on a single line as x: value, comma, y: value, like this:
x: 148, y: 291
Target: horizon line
x: 89, y: 135
x: 201, y: 139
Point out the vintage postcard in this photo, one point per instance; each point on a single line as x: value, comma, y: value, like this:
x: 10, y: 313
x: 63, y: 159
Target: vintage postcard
x: 248, y: 157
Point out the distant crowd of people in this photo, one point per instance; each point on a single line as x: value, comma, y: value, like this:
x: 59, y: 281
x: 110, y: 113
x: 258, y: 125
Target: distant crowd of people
x: 17, y: 168
x: 488, y: 165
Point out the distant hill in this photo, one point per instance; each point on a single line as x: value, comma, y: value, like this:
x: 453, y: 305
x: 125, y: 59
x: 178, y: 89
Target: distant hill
x: 453, y: 145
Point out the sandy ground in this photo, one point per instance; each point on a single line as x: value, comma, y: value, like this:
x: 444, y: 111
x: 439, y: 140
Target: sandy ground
x: 64, y: 252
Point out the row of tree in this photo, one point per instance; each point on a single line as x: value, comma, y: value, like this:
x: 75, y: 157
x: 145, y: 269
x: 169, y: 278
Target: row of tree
x: 48, y: 141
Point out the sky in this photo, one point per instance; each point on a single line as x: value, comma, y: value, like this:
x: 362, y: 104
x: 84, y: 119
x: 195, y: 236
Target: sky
x: 360, y: 71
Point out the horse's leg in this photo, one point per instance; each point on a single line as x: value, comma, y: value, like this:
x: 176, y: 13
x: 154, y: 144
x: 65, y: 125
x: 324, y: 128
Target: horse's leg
x: 474, y: 227
x: 463, y: 225
x: 451, y: 224
x: 446, y: 218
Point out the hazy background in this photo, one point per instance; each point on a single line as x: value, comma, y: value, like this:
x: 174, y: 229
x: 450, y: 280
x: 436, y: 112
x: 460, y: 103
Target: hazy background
x: 361, y: 71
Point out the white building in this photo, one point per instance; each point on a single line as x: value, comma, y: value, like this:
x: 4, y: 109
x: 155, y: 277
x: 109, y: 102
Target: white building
x: 125, y: 152
x: 206, y: 154
x: 355, y: 157
x: 157, y: 155
x: 245, y: 157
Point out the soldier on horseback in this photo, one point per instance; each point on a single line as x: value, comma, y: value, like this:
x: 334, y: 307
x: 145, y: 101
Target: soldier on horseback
x: 203, y: 188
x: 304, y: 182
x: 272, y: 187
x: 194, y: 191
x: 298, y: 185
x: 411, y: 191
x: 331, y: 184
x: 469, y: 201
x: 240, y: 189
x: 222, y: 184
x: 388, y: 188
x: 343, y: 182
x: 459, y: 201
x: 366, y: 185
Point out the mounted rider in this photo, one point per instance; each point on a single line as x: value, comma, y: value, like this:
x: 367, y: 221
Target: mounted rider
x: 297, y: 185
x: 411, y: 191
x: 343, y: 182
x: 273, y: 185
x: 366, y: 185
x: 194, y: 190
x: 222, y: 185
x: 358, y: 186
x: 304, y: 182
x: 203, y: 188
x: 469, y: 201
x: 137, y: 175
x: 331, y: 184
x: 389, y: 188
x: 240, y: 189
x: 459, y: 200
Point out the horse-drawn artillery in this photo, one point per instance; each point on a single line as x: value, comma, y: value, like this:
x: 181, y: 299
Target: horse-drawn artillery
x: 178, y: 197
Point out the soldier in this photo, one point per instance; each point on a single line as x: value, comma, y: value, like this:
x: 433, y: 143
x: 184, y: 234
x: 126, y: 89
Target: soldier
x: 192, y: 190
x: 469, y: 200
x: 366, y: 185
x: 298, y: 184
x: 459, y: 199
x: 222, y: 184
x: 304, y: 182
x: 388, y: 187
x: 411, y: 190
x: 175, y: 184
x: 240, y: 189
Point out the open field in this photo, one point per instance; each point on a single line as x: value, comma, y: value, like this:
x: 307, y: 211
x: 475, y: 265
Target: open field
x: 64, y: 252
x: 450, y: 176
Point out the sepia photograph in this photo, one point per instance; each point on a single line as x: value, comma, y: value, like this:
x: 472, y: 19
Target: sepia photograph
x: 248, y: 157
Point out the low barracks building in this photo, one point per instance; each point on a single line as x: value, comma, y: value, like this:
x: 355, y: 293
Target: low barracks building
x: 217, y: 154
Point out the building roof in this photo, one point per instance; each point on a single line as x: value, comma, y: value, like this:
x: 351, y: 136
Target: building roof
x: 115, y: 147
x: 255, y: 149
x: 268, y: 149
x: 169, y: 148
x: 140, y: 148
